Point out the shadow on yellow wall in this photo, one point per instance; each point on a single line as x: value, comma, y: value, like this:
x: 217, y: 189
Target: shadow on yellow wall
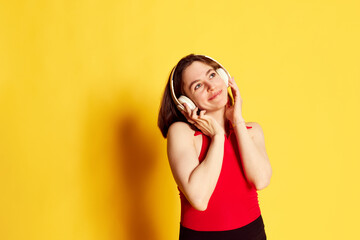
x: 136, y: 165
x: 121, y: 170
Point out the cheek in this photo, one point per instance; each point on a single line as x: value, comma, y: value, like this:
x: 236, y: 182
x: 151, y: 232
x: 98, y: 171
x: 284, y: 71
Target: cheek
x: 223, y: 84
x: 199, y: 98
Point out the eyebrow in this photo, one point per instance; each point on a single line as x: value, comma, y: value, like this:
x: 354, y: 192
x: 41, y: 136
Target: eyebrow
x: 197, y: 80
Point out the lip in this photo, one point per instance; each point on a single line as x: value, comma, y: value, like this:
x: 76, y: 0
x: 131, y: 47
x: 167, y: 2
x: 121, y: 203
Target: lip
x: 215, y: 95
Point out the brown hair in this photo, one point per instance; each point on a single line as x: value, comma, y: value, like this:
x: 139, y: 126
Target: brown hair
x: 169, y: 113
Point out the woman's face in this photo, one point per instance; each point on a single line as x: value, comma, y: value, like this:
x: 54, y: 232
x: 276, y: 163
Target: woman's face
x: 203, y: 85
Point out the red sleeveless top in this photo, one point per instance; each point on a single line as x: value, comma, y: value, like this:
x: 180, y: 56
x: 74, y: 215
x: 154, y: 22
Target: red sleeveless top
x: 234, y: 202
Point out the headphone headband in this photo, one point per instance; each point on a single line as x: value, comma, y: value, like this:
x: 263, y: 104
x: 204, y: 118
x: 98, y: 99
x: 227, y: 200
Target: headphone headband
x: 172, y: 88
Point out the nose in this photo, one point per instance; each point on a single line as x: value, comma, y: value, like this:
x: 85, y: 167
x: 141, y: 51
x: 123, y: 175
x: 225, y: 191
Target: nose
x: 211, y: 86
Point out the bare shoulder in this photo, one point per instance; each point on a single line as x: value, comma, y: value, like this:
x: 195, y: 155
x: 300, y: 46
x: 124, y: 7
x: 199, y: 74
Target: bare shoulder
x: 256, y: 130
x: 180, y: 133
x: 180, y: 129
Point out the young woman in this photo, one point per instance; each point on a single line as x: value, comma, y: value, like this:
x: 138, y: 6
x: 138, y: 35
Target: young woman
x: 217, y: 159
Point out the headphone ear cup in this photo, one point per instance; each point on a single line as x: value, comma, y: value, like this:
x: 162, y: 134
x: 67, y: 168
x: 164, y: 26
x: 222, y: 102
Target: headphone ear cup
x: 223, y: 75
x: 184, y: 99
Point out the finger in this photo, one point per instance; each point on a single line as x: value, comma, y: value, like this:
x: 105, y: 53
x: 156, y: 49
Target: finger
x: 234, y: 89
x: 186, y: 113
x: 189, y: 112
x: 183, y: 111
x: 232, y: 83
x: 237, y: 90
x: 202, y: 122
x: 202, y: 113
x: 193, y: 114
x: 187, y: 108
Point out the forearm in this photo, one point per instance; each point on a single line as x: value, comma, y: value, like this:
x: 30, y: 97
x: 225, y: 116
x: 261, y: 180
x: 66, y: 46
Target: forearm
x: 256, y: 164
x: 203, y: 179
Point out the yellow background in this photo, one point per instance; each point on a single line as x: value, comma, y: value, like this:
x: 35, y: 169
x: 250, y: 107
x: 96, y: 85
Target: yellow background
x: 81, y: 156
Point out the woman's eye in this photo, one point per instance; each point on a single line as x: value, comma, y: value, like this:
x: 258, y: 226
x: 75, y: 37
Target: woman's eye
x: 212, y: 75
x: 197, y: 86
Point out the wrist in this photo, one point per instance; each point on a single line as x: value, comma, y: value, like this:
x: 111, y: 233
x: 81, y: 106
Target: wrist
x: 218, y: 136
x: 237, y: 122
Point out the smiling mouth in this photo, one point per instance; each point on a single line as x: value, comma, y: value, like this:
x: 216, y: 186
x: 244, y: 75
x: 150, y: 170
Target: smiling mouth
x: 215, y: 95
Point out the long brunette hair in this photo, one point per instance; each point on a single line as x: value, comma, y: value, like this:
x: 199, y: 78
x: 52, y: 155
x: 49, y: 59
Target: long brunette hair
x: 169, y: 113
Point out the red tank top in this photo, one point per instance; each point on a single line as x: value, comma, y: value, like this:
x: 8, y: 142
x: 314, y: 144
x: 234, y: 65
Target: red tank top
x: 234, y: 202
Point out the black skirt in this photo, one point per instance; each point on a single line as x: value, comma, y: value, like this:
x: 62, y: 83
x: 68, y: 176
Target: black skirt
x: 253, y: 231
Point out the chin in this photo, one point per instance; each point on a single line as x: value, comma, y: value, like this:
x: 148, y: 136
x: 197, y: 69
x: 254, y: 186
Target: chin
x: 214, y: 107
x: 218, y: 105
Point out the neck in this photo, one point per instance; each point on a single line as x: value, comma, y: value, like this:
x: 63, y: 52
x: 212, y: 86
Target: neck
x: 219, y: 116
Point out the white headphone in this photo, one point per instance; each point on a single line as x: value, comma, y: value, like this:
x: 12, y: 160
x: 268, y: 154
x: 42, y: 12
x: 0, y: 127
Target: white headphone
x: 183, y: 99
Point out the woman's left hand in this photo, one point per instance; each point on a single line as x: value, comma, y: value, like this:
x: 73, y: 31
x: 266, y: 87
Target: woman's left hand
x: 233, y: 113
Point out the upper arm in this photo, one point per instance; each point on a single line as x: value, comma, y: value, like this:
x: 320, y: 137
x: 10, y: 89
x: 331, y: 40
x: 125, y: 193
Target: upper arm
x: 257, y: 135
x: 259, y: 141
x: 182, y: 154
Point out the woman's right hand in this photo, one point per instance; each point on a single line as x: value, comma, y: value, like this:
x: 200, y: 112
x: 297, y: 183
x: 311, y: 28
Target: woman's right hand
x: 206, y: 124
